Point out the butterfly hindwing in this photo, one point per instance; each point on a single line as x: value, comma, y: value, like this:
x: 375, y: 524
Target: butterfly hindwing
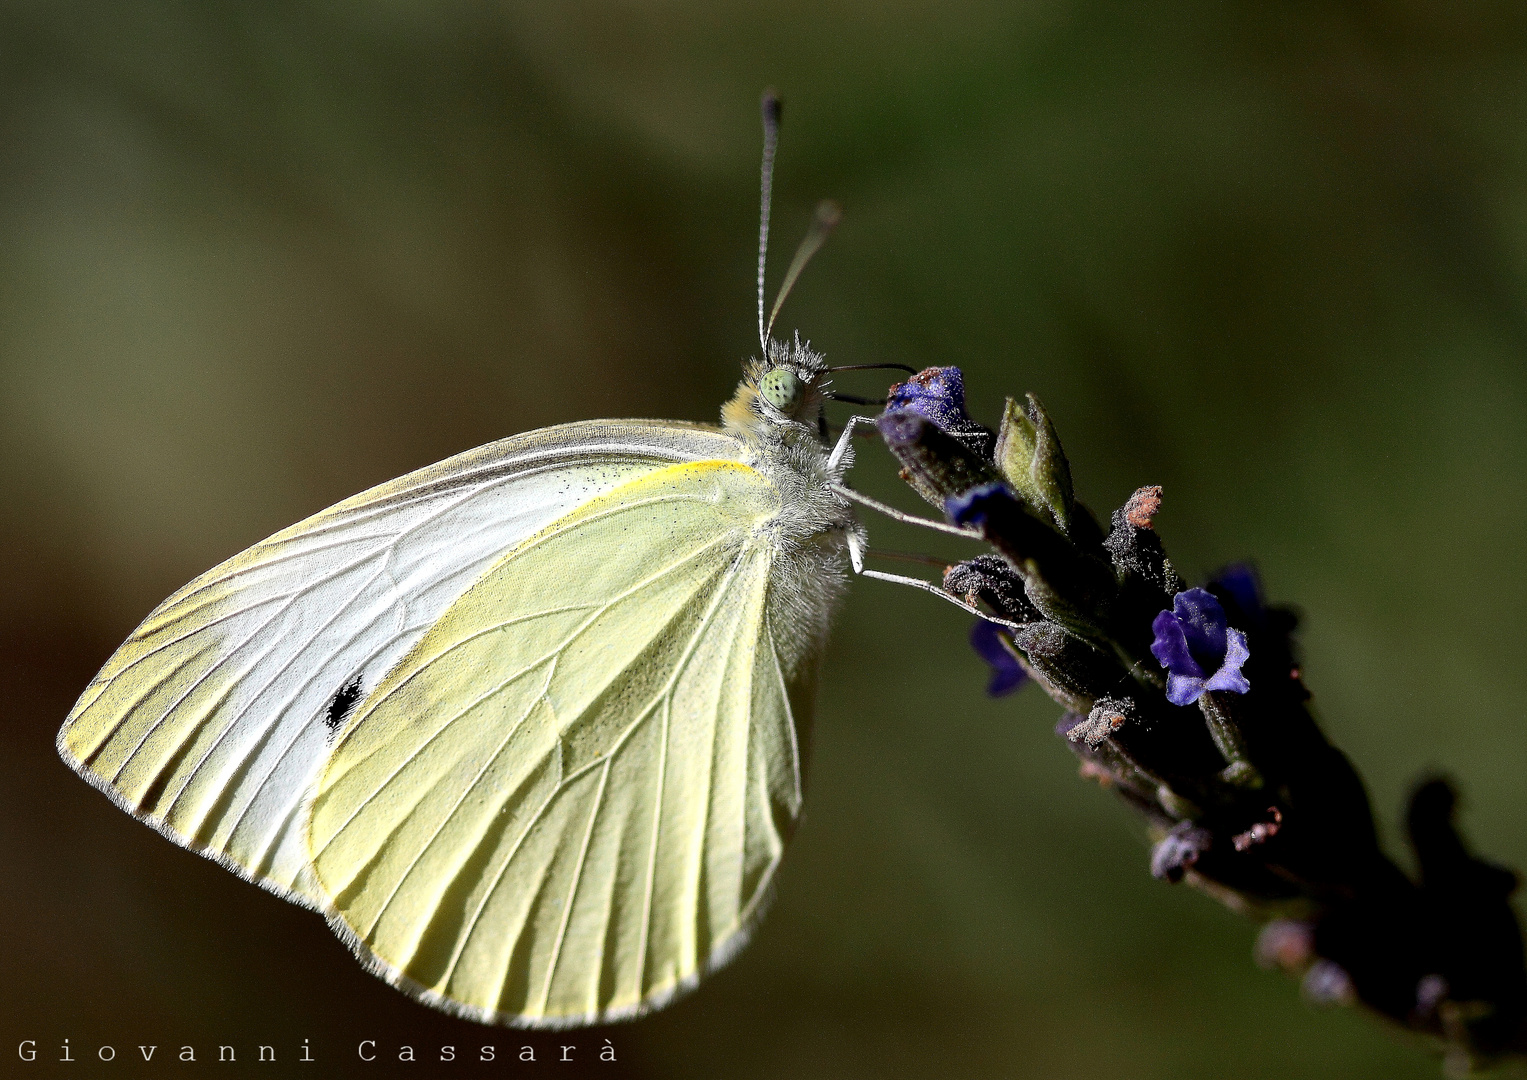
x: 213, y: 719
x: 565, y: 803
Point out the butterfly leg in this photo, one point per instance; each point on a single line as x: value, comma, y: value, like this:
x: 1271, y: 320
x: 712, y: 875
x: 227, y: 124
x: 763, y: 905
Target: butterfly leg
x: 836, y: 463
x: 901, y: 515
x: 857, y: 540
x: 856, y: 553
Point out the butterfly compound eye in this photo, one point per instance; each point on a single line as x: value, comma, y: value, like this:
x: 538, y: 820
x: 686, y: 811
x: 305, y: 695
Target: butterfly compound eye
x: 781, y: 388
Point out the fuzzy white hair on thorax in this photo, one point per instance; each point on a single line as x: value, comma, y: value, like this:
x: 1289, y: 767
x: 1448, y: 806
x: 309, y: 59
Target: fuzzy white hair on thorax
x: 809, y: 536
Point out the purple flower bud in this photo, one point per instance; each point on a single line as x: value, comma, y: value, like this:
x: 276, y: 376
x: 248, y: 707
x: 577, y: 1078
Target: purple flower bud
x: 1007, y: 673
x: 937, y: 393
x: 1179, y: 850
x: 972, y: 507
x: 1199, y: 648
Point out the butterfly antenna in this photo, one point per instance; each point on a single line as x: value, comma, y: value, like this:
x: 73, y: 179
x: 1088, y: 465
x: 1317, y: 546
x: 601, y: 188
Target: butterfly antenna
x: 823, y: 222
x: 771, y: 107
x: 875, y: 367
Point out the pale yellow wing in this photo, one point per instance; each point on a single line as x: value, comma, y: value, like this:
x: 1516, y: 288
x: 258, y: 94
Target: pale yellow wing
x: 212, y: 720
x: 566, y: 803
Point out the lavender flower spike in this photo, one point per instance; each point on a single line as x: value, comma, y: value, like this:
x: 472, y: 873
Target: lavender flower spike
x: 1007, y: 673
x: 1193, y: 638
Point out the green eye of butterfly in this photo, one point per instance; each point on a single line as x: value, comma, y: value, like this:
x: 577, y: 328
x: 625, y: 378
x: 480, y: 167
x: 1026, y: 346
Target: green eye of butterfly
x: 781, y: 388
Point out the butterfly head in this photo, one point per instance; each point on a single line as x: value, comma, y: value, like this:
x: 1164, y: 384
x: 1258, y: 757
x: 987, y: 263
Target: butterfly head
x: 784, y: 392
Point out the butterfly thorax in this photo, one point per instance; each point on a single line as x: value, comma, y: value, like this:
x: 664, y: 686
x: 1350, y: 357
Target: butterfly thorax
x: 776, y: 414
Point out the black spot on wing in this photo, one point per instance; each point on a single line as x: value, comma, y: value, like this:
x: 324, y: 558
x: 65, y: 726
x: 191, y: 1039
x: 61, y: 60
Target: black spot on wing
x: 342, y: 704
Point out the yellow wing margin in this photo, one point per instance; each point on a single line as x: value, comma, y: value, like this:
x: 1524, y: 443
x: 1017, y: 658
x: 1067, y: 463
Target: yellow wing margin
x: 566, y: 803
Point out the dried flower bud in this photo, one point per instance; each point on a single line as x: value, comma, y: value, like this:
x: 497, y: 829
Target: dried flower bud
x: 1260, y: 832
x: 1286, y: 943
x: 1327, y: 983
x: 1179, y: 850
x: 1108, y: 716
x: 1431, y: 991
x: 990, y: 580
x: 1134, y: 546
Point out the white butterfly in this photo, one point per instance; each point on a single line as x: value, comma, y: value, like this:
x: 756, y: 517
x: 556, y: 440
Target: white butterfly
x: 525, y: 725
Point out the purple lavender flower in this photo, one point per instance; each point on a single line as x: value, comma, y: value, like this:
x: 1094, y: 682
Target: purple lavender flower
x: 1193, y: 638
x: 937, y: 393
x: 1007, y: 673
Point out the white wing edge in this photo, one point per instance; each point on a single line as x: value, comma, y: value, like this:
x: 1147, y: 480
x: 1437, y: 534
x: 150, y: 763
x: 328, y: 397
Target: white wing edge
x: 227, y: 862
x: 722, y: 955
x: 613, y: 438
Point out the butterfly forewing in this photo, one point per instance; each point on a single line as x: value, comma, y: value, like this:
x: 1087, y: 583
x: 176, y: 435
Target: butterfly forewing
x: 565, y: 803
x: 214, y: 718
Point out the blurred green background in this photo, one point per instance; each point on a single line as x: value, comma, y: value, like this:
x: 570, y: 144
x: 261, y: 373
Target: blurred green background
x: 255, y: 257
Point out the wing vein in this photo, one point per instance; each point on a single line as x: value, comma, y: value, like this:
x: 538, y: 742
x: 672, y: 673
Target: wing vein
x: 572, y: 892
x: 666, y: 696
x: 276, y: 718
x: 466, y: 791
x: 290, y: 599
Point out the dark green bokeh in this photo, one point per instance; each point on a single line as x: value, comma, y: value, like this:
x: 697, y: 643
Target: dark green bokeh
x: 256, y: 257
